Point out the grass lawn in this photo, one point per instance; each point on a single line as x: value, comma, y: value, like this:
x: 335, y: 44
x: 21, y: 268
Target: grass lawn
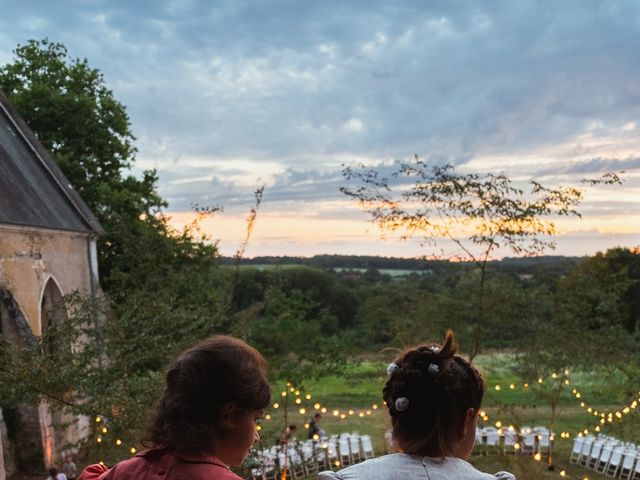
x: 354, y: 393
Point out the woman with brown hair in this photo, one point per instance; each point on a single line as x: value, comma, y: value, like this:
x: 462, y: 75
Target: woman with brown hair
x: 433, y: 397
x: 205, y: 420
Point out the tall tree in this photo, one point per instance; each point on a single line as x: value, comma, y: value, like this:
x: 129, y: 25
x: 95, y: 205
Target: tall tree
x: 88, y: 133
x: 478, y: 213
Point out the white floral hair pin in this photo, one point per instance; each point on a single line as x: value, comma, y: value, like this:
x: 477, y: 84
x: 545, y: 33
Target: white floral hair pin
x: 391, y: 368
x: 433, y: 369
x: 401, y: 404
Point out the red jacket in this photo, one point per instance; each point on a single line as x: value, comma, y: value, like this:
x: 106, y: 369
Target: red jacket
x: 156, y: 464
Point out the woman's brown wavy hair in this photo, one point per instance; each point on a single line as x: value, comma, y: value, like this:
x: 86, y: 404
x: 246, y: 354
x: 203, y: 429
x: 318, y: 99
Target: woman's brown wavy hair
x: 201, y: 381
x: 438, y: 398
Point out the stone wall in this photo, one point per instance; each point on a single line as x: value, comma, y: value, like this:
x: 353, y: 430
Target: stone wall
x: 29, y: 257
x: 30, y: 260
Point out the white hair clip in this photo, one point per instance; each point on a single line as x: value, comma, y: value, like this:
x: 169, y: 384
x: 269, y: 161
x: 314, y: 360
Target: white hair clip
x: 391, y: 368
x: 434, y: 348
x: 401, y: 404
x: 433, y: 369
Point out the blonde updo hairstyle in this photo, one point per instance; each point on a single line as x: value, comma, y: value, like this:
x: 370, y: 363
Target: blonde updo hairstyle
x: 437, y: 397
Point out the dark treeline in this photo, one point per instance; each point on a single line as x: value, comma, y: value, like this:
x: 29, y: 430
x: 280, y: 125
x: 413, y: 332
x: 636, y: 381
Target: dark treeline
x: 515, y: 265
x: 368, y: 309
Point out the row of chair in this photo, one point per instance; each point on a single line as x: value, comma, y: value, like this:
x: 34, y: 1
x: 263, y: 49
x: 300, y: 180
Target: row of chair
x: 506, y: 440
x: 607, y: 455
x: 302, y: 459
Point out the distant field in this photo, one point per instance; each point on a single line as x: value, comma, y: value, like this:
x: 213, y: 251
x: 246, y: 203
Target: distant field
x: 392, y: 272
x: 360, y: 387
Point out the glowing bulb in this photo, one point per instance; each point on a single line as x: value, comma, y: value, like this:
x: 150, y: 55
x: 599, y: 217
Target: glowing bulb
x: 368, y: 412
x: 323, y: 410
x: 118, y: 442
x: 567, y: 382
x: 512, y: 386
x: 133, y: 451
x: 297, y: 392
x: 306, y: 425
x: 361, y: 414
x: 578, y: 395
x: 351, y: 412
x: 554, y: 375
x: 516, y: 446
x: 308, y: 396
x: 316, y: 406
x: 258, y: 428
x: 315, y: 436
x: 302, y: 411
x: 267, y: 417
x: 537, y: 457
x: 336, y: 413
x: 276, y: 405
x: 563, y: 473
x: 337, y: 463
x: 98, y: 419
x: 343, y: 416
x: 498, y: 424
x: 526, y: 385
x: 540, y: 380
x: 283, y: 393
x: 298, y: 401
x: 497, y: 388
x: 99, y: 440
x: 374, y: 406
x: 104, y: 430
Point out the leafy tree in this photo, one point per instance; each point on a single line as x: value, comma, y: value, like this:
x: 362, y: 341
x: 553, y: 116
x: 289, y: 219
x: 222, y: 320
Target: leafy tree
x: 478, y: 213
x: 164, y: 288
x: 87, y: 131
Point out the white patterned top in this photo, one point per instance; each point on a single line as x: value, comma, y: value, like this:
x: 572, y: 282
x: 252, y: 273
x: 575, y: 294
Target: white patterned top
x: 399, y: 466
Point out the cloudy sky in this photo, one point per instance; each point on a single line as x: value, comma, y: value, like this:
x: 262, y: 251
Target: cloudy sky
x: 225, y: 96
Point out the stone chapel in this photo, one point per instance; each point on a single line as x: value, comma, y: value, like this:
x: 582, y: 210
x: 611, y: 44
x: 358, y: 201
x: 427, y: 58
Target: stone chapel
x: 47, y: 250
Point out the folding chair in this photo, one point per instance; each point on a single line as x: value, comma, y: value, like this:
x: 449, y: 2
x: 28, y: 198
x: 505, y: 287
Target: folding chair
x: 628, y: 463
x: 308, y: 459
x: 354, y: 448
x: 635, y: 473
x: 605, y: 456
x: 296, y: 465
x: 367, y: 447
x: 510, y: 440
x: 344, y: 451
x: 615, y: 461
x: 492, y: 443
x: 528, y: 443
x: 586, y: 451
x: 332, y: 453
x: 594, y: 456
x: 576, y: 450
x: 544, y: 442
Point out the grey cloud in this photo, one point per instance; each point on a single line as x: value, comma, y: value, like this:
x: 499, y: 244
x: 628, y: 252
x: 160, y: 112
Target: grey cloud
x: 593, y: 166
x: 306, y: 84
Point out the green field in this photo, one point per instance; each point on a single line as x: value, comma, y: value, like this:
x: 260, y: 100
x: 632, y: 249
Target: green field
x: 360, y: 387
